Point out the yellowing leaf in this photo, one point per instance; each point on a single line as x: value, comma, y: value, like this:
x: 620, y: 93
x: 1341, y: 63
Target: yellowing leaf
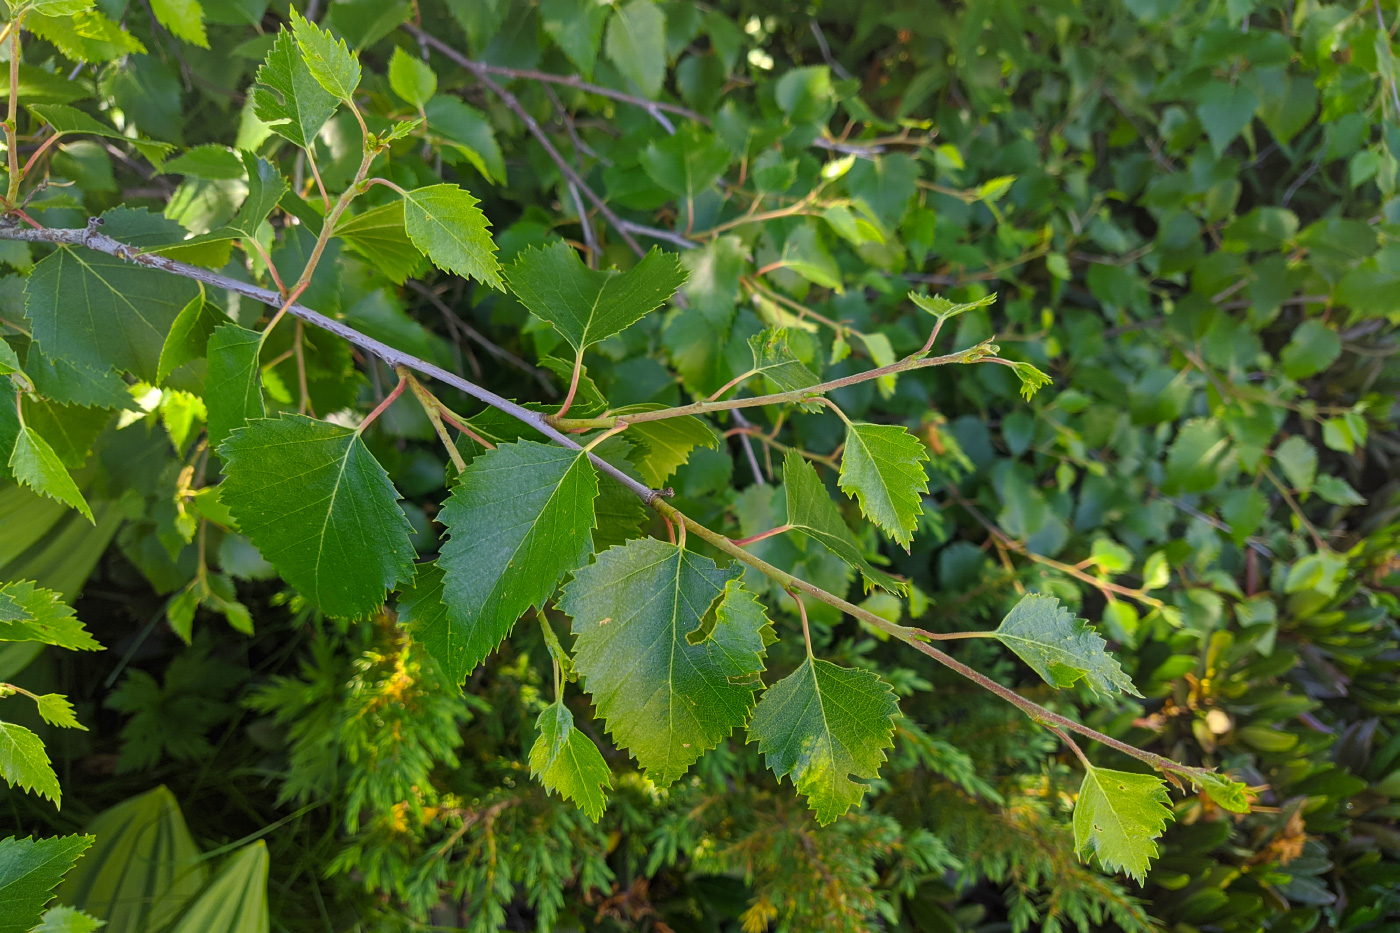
x: 567, y: 762
x: 1118, y: 816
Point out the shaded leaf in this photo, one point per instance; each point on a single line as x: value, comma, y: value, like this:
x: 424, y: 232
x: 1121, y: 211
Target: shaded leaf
x: 320, y: 509
x: 586, y: 305
x: 233, y: 386
x: 103, y: 312
x: 811, y: 511
x: 521, y: 517
x: 636, y: 43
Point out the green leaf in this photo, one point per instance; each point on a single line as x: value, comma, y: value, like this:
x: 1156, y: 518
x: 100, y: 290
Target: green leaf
x: 189, y: 336
x: 266, y: 186
x: 1228, y: 794
x: 636, y: 43
x: 576, y: 26
x: 466, y: 132
x: 184, y: 19
x: 9, y: 362
x: 321, y: 509
x: 104, y: 312
x: 29, y: 871
x: 664, y: 445
x: 567, y: 762
x: 687, y: 163
x: 1337, y: 491
x: 521, y: 517
x: 444, y: 222
x: 805, y: 254
x: 88, y: 36
x: 1117, y: 817
x: 328, y: 59
x: 34, y: 463
x: 811, y: 511
x: 66, y: 920
x: 823, y: 725
x: 59, y: 7
x: 1225, y: 110
x: 55, y: 710
x: 65, y: 383
x: 882, y: 467
x: 1061, y: 648
x: 25, y: 764
x: 236, y: 898
x: 776, y: 363
x: 666, y: 698
x: 1298, y: 460
x: 585, y: 305
x: 1195, y: 457
x: 380, y: 236
x: 804, y: 94
x: 943, y: 309
x: 1313, y: 348
x: 144, y: 866
x: 30, y: 613
x: 233, y: 386
x: 411, y: 78
x: 288, y: 98
x: 1032, y: 379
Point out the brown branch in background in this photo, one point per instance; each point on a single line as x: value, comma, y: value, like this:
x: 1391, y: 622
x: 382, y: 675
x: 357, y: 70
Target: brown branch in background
x: 656, y: 108
x: 455, y: 320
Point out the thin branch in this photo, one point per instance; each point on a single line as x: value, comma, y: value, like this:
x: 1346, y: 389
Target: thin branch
x: 654, y: 107
x: 979, y: 353
x: 483, y: 74
x: 911, y: 637
x: 748, y: 446
x: 99, y: 242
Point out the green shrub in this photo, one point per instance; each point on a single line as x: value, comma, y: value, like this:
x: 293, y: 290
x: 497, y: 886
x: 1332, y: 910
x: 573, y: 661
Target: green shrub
x: 525, y: 460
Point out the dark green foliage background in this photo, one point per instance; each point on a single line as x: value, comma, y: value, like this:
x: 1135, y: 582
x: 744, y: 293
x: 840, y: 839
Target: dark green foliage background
x: 1189, y: 212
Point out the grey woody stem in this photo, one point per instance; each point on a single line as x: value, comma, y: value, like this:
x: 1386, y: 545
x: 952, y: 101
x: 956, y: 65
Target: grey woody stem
x: 90, y: 237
